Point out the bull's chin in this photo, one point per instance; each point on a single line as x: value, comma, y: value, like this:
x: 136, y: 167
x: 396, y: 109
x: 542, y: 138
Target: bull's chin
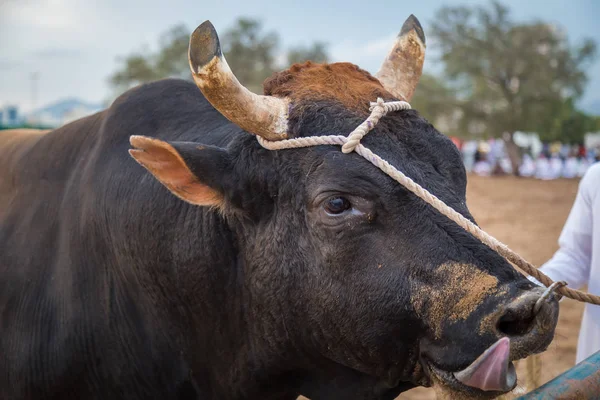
x: 447, y: 386
x: 490, y: 375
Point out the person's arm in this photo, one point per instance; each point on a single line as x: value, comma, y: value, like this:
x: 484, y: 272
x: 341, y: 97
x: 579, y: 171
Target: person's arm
x: 572, y: 262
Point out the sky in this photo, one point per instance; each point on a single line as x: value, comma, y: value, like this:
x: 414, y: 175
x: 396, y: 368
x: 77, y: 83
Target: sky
x: 74, y: 45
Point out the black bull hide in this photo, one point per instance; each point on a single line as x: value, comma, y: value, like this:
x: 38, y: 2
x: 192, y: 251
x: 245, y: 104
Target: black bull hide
x: 111, y: 287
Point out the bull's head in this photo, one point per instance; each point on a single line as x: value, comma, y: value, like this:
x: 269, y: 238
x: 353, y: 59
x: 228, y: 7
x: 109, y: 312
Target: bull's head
x: 355, y: 273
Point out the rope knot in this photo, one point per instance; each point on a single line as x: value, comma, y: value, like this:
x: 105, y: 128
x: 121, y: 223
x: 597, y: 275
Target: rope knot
x: 378, y: 103
x: 352, y: 143
x: 378, y: 109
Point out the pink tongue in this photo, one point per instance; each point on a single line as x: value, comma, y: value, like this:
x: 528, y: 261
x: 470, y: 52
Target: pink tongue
x: 491, y: 369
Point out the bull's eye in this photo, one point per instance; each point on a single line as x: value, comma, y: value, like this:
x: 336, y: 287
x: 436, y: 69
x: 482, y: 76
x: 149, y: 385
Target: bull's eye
x: 337, y: 205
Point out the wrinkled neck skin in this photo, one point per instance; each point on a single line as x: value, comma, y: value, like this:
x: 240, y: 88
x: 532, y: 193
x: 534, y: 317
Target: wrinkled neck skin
x: 267, y: 335
x: 246, y: 341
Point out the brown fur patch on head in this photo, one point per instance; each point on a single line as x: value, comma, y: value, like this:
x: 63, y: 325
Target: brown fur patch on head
x: 342, y: 82
x: 465, y: 288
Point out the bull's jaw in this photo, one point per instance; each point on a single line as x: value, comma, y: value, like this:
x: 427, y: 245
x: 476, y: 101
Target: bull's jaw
x: 490, y: 375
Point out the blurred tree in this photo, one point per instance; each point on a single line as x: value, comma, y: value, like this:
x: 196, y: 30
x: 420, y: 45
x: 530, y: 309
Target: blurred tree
x: 438, y: 103
x: 250, y: 52
x: 169, y: 61
x: 315, y: 53
x: 507, y: 76
x: 172, y: 45
x: 568, y: 124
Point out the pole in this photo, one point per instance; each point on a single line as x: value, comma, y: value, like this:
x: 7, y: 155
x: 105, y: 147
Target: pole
x: 34, y: 80
x: 580, y: 382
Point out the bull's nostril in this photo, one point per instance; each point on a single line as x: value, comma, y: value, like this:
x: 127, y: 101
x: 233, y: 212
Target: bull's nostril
x: 519, y: 318
x: 515, y: 325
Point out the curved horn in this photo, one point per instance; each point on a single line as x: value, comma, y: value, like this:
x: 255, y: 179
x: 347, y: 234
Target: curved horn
x: 264, y: 116
x: 401, y: 70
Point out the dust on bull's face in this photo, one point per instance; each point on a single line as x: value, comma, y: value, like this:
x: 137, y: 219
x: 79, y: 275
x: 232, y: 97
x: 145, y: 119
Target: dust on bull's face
x: 383, y: 283
x: 341, y: 263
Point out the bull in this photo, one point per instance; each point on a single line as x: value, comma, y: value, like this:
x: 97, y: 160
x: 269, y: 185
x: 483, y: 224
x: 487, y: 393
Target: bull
x: 221, y: 270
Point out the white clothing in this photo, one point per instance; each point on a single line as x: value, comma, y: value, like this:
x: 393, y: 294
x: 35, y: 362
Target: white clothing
x: 527, y: 169
x: 584, y: 164
x: 482, y: 168
x: 577, y: 261
x: 506, y: 165
x: 542, y: 169
x: 556, y: 166
x: 571, y: 168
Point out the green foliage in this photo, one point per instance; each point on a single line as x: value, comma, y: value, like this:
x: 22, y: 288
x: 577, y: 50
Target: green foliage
x: 169, y: 61
x: 172, y: 45
x: 569, y: 125
x: 250, y: 53
x: 24, y: 126
x: 315, y: 53
x: 499, y: 76
x: 437, y: 103
x: 507, y: 76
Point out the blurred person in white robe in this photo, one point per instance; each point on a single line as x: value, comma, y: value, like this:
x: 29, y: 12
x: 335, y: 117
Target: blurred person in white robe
x: 542, y: 168
x: 527, y: 167
x: 571, y: 167
x: 584, y: 164
x: 468, y: 151
x: 506, y: 165
x: 577, y: 261
x: 482, y: 168
x: 556, y: 166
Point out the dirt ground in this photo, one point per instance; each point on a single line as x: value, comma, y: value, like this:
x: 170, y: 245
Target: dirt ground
x: 527, y: 215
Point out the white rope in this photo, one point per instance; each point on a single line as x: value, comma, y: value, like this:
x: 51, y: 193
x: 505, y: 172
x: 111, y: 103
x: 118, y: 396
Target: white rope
x: 352, y: 143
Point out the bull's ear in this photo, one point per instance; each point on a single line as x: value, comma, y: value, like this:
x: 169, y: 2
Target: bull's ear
x: 194, y: 173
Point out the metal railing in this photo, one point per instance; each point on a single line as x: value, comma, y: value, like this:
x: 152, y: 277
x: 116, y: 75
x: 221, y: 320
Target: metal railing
x: 580, y: 382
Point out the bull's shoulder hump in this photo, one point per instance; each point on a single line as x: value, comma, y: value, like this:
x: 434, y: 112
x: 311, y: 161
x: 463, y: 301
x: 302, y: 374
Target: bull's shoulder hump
x: 14, y: 143
x: 170, y: 110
